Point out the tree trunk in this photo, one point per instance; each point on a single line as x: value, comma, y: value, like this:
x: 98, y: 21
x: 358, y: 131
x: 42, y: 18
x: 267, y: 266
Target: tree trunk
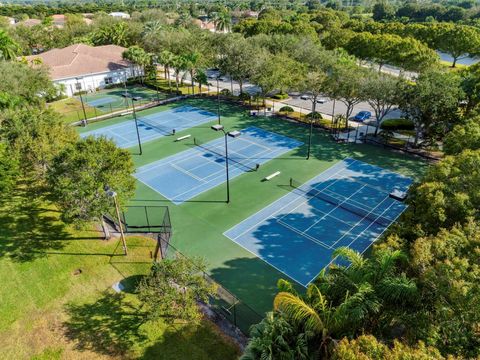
x: 454, y: 61
x: 176, y: 80
x: 193, y: 83
x: 240, y: 83
x: 105, y: 229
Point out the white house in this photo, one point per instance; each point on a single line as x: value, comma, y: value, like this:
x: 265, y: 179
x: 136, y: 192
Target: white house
x: 121, y: 15
x: 82, y: 67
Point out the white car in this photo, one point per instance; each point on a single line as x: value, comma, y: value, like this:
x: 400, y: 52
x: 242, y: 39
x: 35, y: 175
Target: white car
x: 305, y: 97
x: 321, y: 101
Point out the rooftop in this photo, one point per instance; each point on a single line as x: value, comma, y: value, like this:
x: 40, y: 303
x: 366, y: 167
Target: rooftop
x: 80, y: 60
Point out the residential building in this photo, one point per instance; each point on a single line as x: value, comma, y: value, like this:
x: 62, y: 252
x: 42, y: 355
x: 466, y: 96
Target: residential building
x: 82, y: 67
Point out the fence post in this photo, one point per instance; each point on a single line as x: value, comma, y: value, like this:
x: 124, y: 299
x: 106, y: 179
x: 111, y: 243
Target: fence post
x: 146, y: 217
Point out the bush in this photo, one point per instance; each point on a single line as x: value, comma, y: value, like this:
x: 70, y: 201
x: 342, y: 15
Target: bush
x: 397, y: 124
x: 286, y: 109
x: 280, y: 96
x: 314, y: 116
x: 244, y: 96
x: 225, y: 92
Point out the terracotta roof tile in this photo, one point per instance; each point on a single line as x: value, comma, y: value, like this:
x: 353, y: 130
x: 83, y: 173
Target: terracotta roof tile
x: 81, y: 59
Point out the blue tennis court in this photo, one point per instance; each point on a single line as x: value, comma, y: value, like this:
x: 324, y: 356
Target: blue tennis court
x: 187, y: 174
x: 153, y: 126
x: 346, y: 205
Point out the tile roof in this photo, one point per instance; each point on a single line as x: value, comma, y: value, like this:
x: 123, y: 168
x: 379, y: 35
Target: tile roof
x: 81, y: 60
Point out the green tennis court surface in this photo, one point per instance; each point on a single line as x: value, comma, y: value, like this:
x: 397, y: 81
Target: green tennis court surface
x: 119, y: 97
x: 199, y: 225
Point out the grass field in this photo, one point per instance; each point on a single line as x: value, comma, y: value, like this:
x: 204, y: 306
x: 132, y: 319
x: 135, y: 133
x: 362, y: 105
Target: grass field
x: 71, y: 110
x: 199, y: 224
x: 48, y: 312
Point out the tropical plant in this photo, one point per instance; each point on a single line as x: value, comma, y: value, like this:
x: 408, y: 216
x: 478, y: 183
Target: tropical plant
x: 8, y: 47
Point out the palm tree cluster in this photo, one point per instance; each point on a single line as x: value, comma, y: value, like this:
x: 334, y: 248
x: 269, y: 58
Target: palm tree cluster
x: 366, y: 296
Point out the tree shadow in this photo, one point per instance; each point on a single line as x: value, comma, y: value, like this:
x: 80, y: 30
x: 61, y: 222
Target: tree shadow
x: 108, y: 326
x: 192, y: 342
x: 28, y: 230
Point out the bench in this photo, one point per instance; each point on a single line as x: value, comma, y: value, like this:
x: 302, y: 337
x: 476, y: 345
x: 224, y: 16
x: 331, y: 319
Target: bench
x: 271, y: 176
x: 183, y: 137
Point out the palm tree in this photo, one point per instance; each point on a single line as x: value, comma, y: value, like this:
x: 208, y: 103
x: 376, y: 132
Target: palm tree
x: 275, y: 338
x: 166, y: 58
x: 178, y: 65
x: 378, y: 275
x: 8, y: 47
x: 191, y: 63
x: 222, y: 21
x: 138, y: 57
x: 316, y: 315
x: 152, y: 28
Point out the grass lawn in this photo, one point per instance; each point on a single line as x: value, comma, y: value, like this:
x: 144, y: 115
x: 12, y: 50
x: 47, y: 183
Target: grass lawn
x: 71, y: 110
x: 47, y: 312
x: 199, y: 224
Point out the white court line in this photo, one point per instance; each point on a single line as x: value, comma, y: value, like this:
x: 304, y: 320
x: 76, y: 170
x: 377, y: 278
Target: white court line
x: 306, y: 236
x: 365, y: 218
x: 335, y: 208
x: 374, y: 240
x: 270, y: 215
x: 186, y: 172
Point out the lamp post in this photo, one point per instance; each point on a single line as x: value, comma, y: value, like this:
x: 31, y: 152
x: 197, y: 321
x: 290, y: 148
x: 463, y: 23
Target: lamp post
x: 218, y: 100
x: 136, y: 126
x: 219, y: 127
x: 81, y: 99
x: 113, y: 194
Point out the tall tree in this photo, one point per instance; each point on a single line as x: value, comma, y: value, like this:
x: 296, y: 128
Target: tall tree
x: 448, y: 193
x: 80, y: 173
x: 382, y: 92
x: 432, y: 103
x: 236, y: 59
x: 174, y: 288
x: 457, y: 40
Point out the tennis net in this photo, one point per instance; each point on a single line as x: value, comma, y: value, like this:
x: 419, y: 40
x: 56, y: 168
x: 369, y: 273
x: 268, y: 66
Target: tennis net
x: 340, y: 201
x: 244, y: 163
x: 161, y: 129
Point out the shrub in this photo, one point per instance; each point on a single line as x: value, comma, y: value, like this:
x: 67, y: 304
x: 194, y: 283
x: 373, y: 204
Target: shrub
x: 280, y: 96
x: 286, y: 109
x: 244, y: 96
x: 397, y: 124
x: 225, y: 92
x: 314, y: 116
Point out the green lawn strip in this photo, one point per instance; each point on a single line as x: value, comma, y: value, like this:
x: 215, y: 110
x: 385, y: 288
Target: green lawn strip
x: 39, y: 257
x: 200, y: 223
x: 71, y: 109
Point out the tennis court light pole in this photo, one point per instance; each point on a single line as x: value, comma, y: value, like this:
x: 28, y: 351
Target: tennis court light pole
x: 81, y: 99
x: 136, y: 125
x: 218, y: 100
x: 113, y: 194
x: 219, y: 127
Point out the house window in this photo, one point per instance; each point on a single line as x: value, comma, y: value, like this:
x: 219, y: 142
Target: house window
x: 108, y: 80
x: 78, y: 86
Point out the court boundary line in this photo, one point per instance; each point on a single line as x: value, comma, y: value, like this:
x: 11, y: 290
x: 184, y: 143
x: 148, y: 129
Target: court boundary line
x: 343, y: 163
x: 280, y: 198
x: 373, y: 241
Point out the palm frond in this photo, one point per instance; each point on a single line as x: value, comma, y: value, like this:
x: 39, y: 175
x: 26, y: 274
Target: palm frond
x: 298, y: 311
x: 354, y: 257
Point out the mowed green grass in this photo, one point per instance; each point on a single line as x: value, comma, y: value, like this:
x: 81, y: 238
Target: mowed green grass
x: 200, y: 223
x: 48, y: 312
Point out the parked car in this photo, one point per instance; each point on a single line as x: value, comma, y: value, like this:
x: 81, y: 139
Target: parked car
x: 362, y: 116
x: 304, y: 97
x: 321, y: 101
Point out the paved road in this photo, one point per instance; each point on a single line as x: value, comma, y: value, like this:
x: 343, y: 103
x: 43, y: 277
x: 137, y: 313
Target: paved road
x: 304, y: 105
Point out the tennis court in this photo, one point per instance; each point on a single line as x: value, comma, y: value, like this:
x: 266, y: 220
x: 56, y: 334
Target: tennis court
x: 114, y: 99
x: 153, y: 126
x: 346, y: 205
x: 187, y: 174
